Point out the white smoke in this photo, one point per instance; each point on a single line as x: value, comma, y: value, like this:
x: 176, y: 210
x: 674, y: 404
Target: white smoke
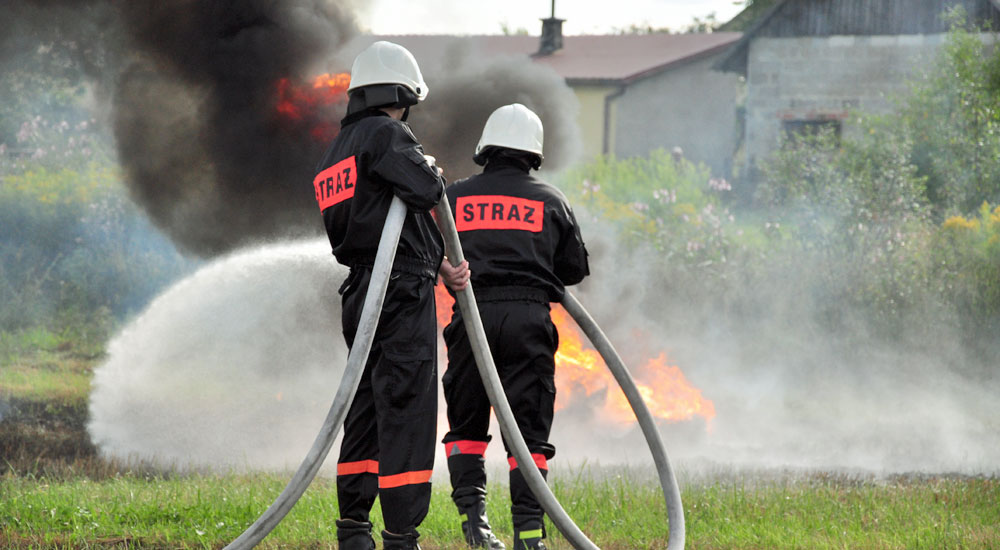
x: 786, y: 395
x: 237, y: 365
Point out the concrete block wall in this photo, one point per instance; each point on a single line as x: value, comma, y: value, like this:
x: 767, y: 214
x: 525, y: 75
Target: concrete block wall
x: 810, y: 78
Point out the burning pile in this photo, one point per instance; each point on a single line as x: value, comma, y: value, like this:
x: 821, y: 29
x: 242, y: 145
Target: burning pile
x: 320, y: 105
x: 581, y: 374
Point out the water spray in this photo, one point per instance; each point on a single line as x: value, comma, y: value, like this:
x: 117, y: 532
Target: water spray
x: 505, y: 417
x: 370, y: 312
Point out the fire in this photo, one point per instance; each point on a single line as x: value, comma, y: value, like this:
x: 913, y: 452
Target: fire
x: 309, y: 104
x: 581, y: 372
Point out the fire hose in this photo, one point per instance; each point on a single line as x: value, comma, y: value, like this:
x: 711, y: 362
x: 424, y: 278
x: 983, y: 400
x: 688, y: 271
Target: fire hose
x: 505, y: 417
x: 356, y: 360
x: 671, y: 492
x: 358, y: 356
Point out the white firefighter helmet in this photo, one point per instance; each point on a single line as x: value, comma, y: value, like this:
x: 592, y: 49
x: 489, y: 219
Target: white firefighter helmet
x: 512, y: 126
x: 387, y: 63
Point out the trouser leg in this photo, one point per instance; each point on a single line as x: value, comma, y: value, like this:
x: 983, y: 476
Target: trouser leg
x: 404, y: 385
x: 393, y: 419
x: 526, y: 513
x: 529, y: 344
x: 523, y: 342
x: 358, y: 462
x: 468, y: 411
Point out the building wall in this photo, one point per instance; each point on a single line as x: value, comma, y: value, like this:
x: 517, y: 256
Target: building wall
x: 823, y: 78
x: 591, y: 116
x: 690, y: 106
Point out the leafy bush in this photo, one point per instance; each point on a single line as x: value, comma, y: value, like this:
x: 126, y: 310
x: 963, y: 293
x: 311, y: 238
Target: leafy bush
x: 672, y: 204
x: 953, y: 119
x: 967, y: 253
x: 75, y: 253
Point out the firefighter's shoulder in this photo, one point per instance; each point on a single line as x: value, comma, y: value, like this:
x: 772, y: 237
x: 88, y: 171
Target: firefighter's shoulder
x: 459, y: 186
x: 544, y: 190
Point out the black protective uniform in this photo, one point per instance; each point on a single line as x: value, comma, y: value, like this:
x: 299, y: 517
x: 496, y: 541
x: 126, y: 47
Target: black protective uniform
x: 389, y: 432
x: 523, y: 246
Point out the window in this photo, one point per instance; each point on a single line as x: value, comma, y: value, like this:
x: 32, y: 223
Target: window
x: 812, y: 127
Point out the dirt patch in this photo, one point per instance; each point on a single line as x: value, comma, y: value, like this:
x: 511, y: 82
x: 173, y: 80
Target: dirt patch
x: 43, y: 438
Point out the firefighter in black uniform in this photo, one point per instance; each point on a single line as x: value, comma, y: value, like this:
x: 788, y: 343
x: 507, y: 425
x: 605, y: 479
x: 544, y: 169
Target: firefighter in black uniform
x: 523, y: 246
x: 389, y: 431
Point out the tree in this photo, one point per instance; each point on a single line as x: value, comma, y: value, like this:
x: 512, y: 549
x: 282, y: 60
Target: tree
x: 752, y: 11
x: 953, y: 119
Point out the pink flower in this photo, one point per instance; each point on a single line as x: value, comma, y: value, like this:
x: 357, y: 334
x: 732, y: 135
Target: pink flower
x: 719, y: 184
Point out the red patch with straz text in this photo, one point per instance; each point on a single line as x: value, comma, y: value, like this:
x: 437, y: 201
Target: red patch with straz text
x: 336, y: 183
x: 498, y: 212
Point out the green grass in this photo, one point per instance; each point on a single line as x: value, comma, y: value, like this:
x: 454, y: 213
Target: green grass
x: 38, y: 365
x: 55, y: 493
x: 208, y: 511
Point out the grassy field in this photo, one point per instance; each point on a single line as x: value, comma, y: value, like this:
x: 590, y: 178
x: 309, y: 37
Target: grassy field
x: 56, y: 493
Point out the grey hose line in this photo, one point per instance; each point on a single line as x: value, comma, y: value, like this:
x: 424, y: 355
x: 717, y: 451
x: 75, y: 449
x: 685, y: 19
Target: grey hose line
x: 494, y: 389
x: 356, y: 360
x: 671, y: 492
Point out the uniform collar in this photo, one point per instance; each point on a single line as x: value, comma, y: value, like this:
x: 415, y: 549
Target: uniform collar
x: 500, y: 163
x: 354, y: 117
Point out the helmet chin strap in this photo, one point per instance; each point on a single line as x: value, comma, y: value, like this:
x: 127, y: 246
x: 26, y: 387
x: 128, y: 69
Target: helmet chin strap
x: 406, y: 113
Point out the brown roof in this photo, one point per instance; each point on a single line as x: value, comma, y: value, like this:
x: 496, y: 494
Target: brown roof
x: 583, y: 58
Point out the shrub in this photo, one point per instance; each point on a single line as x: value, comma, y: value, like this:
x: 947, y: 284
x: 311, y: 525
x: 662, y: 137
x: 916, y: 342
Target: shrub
x: 967, y: 254
x: 671, y: 204
x: 75, y: 253
x: 953, y: 119
x: 856, y: 210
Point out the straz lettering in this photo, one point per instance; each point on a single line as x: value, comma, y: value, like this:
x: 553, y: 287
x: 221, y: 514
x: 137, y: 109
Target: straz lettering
x: 336, y: 183
x: 499, y: 212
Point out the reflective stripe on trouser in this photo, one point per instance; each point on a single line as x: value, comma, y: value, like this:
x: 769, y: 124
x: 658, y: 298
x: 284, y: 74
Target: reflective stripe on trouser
x: 390, y: 429
x: 523, y: 341
x: 467, y: 466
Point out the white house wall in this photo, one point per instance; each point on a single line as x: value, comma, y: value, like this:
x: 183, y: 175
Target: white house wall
x: 689, y: 106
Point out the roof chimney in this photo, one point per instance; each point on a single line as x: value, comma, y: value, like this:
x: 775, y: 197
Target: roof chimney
x: 552, y: 38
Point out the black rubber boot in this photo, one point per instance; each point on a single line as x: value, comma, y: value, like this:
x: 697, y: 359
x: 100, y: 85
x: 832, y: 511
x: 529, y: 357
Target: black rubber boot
x: 471, y: 503
x: 393, y: 541
x: 354, y: 535
x: 528, y: 534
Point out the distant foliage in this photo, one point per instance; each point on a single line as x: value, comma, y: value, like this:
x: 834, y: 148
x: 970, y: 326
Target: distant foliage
x: 834, y: 191
x: 967, y: 261
x: 48, y: 143
x: 673, y: 204
x: 856, y: 211
x: 953, y: 120
x: 75, y: 253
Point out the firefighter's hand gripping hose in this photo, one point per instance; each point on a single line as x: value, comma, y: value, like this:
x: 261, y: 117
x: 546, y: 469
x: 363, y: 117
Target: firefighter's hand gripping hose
x: 505, y: 417
x: 348, y: 385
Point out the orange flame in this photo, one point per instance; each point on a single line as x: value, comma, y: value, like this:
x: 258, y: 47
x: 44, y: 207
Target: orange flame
x: 581, y: 372
x: 310, y: 103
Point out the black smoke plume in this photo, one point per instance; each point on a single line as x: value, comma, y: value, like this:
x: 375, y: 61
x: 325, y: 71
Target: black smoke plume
x: 196, y: 122
x: 191, y: 91
x: 466, y: 86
